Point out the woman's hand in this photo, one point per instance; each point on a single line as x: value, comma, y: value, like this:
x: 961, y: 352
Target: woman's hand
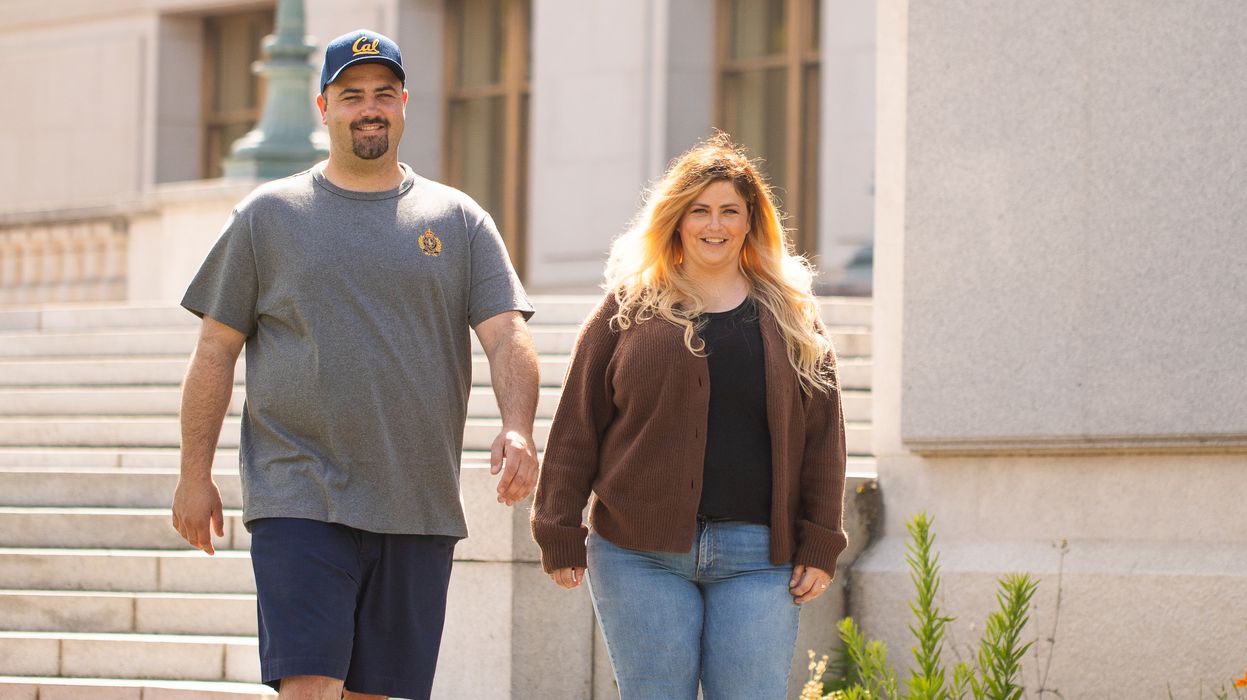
x: 808, y: 583
x: 569, y: 577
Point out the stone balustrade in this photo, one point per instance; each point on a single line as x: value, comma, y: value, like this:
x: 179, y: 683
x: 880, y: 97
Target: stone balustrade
x: 63, y: 257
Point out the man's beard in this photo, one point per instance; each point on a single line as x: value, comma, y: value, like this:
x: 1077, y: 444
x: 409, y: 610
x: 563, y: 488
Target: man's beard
x: 370, y: 147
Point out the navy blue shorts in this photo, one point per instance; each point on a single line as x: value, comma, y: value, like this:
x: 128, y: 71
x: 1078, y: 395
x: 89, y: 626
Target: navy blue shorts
x: 364, y: 607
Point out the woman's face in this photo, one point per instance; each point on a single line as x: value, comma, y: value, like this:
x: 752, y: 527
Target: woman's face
x: 713, y: 229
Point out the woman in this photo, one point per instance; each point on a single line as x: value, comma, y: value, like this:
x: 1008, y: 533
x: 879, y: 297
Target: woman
x: 700, y: 409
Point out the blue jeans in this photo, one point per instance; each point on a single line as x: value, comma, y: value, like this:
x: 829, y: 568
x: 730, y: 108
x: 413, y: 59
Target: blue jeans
x: 720, y: 613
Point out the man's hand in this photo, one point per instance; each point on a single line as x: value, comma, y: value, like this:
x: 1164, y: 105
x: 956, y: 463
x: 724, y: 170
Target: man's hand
x: 197, y: 513
x: 513, y: 454
x: 205, y: 399
x: 569, y: 577
x: 514, y: 373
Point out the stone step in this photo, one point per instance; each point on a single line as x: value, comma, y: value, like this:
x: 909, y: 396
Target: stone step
x: 80, y: 524
x: 169, y: 371
x: 165, y: 401
x: 856, y: 405
x: 847, y: 311
x: 93, y: 655
x: 50, y: 688
x: 102, y: 487
x: 128, y: 458
x: 105, y: 458
x: 105, y: 528
x: 104, y: 431
x: 551, y: 309
x: 478, y: 434
x: 85, y: 527
x: 52, y: 317
x: 96, y: 431
x: 548, y: 339
x: 104, y: 400
x: 835, y: 311
x: 137, y: 342
x: 226, y: 461
x: 162, y: 341
x: 854, y: 372
x: 110, y: 487
x: 218, y: 614
x: 852, y: 342
x: 569, y: 309
x: 125, y: 570
x: 560, y: 310
x: 102, y: 371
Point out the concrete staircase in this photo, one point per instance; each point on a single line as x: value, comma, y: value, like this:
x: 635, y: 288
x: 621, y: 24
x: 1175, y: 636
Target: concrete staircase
x: 99, y: 597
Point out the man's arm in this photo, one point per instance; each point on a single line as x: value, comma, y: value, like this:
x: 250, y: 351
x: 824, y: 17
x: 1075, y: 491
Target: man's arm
x: 206, y: 392
x: 514, y: 371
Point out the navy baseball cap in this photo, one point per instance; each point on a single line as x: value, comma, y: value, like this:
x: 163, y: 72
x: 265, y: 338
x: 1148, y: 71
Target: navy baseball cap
x: 360, y: 46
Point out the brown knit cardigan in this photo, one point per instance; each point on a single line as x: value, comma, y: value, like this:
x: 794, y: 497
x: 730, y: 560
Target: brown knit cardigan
x: 631, y: 428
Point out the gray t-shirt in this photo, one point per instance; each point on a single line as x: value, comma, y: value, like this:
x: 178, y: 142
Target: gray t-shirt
x: 357, y: 308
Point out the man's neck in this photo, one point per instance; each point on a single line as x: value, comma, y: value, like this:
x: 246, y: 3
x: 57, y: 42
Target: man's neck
x: 366, y: 176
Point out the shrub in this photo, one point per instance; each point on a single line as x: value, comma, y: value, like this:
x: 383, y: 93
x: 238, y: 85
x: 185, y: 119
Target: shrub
x: 864, y: 672
x: 997, y: 670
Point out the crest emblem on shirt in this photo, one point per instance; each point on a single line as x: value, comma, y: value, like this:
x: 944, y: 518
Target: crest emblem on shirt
x: 430, y: 243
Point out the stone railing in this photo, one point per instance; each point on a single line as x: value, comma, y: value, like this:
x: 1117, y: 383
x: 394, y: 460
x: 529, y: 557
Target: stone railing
x: 66, y: 256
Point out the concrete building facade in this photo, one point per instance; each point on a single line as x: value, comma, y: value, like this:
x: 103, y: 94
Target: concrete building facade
x: 1058, y: 330
x: 605, y: 95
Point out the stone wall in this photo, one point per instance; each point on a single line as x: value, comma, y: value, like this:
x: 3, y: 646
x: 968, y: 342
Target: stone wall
x: 1058, y: 328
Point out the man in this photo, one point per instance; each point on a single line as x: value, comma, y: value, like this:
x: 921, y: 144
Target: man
x: 352, y: 286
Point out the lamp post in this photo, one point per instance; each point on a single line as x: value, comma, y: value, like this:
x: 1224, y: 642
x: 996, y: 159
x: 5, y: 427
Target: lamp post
x: 287, y: 138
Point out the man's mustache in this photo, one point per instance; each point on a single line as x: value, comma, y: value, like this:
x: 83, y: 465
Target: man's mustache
x: 375, y: 120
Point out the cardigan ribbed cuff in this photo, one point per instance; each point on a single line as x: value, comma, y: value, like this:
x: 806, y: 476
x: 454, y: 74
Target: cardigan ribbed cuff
x: 561, y: 546
x: 818, y: 546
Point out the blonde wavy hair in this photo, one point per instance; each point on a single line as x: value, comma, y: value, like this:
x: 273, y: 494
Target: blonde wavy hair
x: 648, y: 281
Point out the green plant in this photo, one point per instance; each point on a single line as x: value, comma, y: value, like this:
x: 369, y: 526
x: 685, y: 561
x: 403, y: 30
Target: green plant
x: 1001, y: 649
x: 926, y: 680
x: 997, y: 671
x: 863, y: 671
x: 870, y: 663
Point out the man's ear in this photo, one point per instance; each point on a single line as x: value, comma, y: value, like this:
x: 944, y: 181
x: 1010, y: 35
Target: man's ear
x: 321, y: 104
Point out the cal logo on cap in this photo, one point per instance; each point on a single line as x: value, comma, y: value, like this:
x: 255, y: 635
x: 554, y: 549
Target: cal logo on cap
x: 363, y: 47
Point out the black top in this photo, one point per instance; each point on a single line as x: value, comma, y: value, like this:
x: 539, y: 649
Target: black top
x: 737, y: 481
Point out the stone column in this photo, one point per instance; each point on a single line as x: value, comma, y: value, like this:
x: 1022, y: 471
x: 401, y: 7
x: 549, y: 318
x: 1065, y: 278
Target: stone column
x: 618, y: 89
x: 846, y: 151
